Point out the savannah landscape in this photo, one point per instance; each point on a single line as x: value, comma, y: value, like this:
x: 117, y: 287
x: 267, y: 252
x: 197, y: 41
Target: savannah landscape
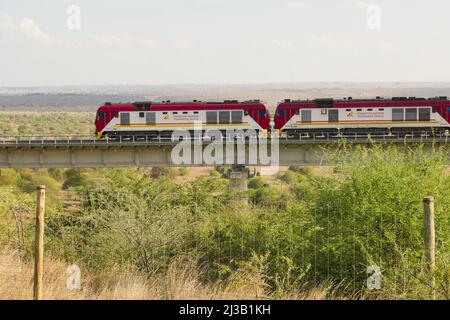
x: 177, y: 233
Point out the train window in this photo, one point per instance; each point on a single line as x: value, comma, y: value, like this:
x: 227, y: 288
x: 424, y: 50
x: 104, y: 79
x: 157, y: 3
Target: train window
x: 211, y: 117
x: 297, y: 112
x: 245, y: 113
x: 281, y: 112
x: 185, y: 112
x: 100, y: 116
x: 369, y: 109
x: 141, y: 114
x: 224, y: 117
x: 262, y: 113
x: 358, y: 109
x: 125, y: 119
x: 306, y: 116
x: 380, y: 109
x: 424, y: 114
x: 333, y: 115
x: 398, y: 114
x: 195, y: 112
x: 164, y: 112
x: 236, y: 116
x: 150, y: 118
x: 348, y: 110
x: 411, y: 114
x: 174, y: 112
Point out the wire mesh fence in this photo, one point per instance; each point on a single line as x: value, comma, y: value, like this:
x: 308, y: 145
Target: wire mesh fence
x: 179, y: 243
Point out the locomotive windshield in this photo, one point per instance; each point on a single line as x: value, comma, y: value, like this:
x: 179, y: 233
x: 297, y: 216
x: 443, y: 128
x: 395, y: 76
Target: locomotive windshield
x: 100, y: 116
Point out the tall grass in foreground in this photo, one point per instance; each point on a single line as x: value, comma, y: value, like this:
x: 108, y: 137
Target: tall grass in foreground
x: 180, y: 282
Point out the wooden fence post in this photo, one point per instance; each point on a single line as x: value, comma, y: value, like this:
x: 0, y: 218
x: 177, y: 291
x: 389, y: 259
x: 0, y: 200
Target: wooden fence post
x: 429, y: 237
x: 39, y: 243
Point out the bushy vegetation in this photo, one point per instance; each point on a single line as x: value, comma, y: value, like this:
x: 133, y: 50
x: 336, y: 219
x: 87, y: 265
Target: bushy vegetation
x: 46, y: 123
x: 321, y: 229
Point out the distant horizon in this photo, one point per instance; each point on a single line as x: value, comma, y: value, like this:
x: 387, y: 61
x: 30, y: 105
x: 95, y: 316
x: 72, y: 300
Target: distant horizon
x: 234, y: 84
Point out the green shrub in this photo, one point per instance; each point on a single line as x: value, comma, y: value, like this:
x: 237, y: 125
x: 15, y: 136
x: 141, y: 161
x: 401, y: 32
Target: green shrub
x: 157, y: 172
x: 80, y: 178
x: 183, y: 171
x: 372, y: 214
x: 257, y: 183
x: 301, y: 169
x: 9, y: 177
x: 288, y: 177
x: 214, y: 173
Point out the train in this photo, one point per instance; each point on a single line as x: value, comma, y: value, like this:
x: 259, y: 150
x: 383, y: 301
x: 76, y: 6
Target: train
x: 293, y: 119
x: 397, y: 116
x: 154, y: 120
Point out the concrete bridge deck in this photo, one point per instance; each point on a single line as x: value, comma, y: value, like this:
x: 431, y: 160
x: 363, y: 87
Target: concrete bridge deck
x: 79, y: 151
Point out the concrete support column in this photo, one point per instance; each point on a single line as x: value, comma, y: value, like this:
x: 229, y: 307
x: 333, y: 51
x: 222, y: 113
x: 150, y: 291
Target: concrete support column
x: 238, y: 178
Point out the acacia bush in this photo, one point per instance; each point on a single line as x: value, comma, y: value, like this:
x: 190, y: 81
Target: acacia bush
x: 371, y: 213
x: 316, y: 229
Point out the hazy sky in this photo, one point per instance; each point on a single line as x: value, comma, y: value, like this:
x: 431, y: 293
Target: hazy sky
x: 223, y: 41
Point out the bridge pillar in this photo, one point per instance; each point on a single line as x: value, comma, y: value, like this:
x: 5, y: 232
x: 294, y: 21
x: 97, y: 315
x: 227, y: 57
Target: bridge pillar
x: 238, y: 178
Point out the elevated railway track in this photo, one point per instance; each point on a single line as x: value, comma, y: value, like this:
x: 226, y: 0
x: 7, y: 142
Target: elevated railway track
x: 85, y: 151
x: 310, y: 138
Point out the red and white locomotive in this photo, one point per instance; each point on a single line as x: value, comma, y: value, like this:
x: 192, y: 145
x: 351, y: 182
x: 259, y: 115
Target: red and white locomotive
x: 151, y: 120
x: 400, y: 116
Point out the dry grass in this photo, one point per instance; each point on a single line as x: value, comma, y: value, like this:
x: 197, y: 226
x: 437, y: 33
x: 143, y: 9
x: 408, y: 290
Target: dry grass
x: 180, y: 282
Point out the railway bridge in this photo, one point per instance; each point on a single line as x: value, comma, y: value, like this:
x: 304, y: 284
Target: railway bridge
x: 82, y: 152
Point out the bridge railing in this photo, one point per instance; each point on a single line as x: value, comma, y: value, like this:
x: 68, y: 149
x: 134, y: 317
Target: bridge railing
x: 45, y: 138
x: 306, y: 138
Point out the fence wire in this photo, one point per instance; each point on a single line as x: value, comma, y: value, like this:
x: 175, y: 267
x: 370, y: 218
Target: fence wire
x: 125, y: 244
